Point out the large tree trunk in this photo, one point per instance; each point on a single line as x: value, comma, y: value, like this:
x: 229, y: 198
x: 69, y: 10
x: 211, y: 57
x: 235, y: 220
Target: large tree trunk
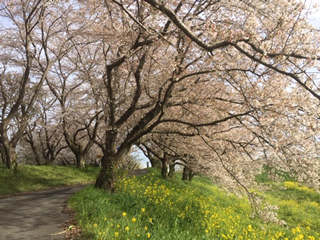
x: 10, y: 156
x: 171, y: 170
x: 107, y: 176
x: 9, y: 145
x: 33, y: 146
x: 80, y: 160
x: 36, y: 155
x: 79, y: 152
x: 50, y: 155
x: 164, y: 169
x: 108, y: 173
x: 187, y: 174
x: 2, y: 154
x: 164, y: 166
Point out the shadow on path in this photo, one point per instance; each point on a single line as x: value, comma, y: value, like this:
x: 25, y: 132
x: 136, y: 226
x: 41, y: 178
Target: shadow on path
x: 39, y: 215
x: 34, y: 216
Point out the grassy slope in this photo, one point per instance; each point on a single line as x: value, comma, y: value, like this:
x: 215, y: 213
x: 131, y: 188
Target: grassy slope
x: 31, y: 178
x: 298, y: 205
x: 150, y: 207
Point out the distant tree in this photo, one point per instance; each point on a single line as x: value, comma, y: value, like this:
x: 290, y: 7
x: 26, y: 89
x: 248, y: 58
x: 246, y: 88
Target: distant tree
x: 130, y: 162
x: 29, y: 31
x: 147, y: 151
x: 79, y: 121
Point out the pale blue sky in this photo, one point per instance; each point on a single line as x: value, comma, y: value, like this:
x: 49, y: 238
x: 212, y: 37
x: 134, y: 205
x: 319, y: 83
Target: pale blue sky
x: 315, y: 18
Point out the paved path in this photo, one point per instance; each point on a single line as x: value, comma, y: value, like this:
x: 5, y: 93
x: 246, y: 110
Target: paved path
x: 34, y: 216
x: 38, y: 215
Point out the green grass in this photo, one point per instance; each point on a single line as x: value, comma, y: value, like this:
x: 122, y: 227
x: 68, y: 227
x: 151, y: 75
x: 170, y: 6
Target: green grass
x: 268, y: 172
x: 32, y: 178
x: 150, y: 207
x: 297, y: 204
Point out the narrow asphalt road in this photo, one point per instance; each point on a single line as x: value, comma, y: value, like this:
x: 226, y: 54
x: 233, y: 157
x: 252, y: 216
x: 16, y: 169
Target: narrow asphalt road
x: 34, y: 216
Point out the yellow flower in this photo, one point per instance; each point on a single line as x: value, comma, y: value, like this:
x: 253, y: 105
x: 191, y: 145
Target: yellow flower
x: 118, y: 226
x: 127, y: 228
x: 95, y: 225
x: 146, y: 228
x: 143, y: 209
x: 148, y: 235
x: 105, y: 219
x: 249, y: 228
x: 124, y: 214
x: 300, y: 237
x: 116, y: 234
x: 134, y: 220
x: 150, y: 220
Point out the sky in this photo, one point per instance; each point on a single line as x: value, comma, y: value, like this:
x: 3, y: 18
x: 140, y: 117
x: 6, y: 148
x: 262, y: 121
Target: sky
x: 314, y: 18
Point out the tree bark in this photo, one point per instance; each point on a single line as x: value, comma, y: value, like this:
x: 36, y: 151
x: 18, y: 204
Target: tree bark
x: 80, y: 160
x: 171, y: 170
x: 29, y: 139
x: 187, y: 174
x: 50, y: 155
x: 10, y: 156
x: 164, y: 170
x: 2, y: 154
x: 8, y: 150
x: 109, y: 162
x: 106, y: 177
x: 36, y: 154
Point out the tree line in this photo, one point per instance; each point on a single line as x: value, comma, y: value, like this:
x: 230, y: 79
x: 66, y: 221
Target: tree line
x: 221, y: 88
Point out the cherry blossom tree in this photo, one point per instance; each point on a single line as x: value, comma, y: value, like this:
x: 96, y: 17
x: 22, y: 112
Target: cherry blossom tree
x: 28, y: 32
x: 155, y: 76
x: 249, y: 44
x: 220, y: 87
x: 79, y: 121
